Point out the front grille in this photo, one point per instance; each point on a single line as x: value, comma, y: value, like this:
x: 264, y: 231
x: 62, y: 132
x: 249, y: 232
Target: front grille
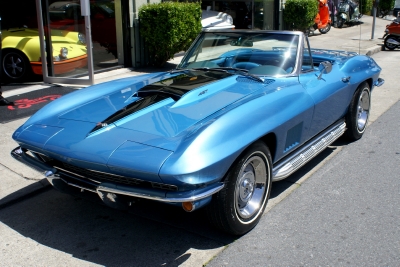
x: 97, y: 177
x: 100, y: 177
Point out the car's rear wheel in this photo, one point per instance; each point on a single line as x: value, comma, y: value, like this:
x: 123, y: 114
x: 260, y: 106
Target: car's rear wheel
x: 16, y: 66
x: 358, y: 113
x: 238, y: 207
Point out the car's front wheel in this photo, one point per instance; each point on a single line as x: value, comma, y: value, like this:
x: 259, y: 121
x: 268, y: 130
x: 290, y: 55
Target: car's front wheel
x: 15, y: 65
x: 358, y: 113
x: 238, y: 207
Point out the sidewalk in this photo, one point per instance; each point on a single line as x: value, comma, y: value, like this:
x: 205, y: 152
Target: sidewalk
x: 18, y: 180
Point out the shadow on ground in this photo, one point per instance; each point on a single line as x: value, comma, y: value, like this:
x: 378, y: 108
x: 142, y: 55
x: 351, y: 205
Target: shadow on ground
x: 149, y: 234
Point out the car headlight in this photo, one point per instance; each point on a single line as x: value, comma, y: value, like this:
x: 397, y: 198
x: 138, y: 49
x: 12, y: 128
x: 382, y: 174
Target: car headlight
x: 63, y: 52
x: 81, y: 38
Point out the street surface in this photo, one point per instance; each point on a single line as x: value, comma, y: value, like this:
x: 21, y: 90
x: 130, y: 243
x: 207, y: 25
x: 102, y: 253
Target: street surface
x: 342, y: 208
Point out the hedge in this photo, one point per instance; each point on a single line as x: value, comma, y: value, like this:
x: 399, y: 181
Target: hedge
x: 168, y: 28
x: 300, y: 14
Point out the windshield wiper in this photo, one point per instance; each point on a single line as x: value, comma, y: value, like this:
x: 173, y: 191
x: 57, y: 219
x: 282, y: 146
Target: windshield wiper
x: 177, y: 71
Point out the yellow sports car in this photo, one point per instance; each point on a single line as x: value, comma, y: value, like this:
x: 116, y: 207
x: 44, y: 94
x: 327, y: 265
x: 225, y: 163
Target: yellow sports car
x: 21, y: 52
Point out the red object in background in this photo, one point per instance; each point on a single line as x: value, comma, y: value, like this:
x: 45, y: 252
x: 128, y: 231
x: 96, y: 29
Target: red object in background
x: 323, y: 20
x: 392, y: 35
x: 27, y: 103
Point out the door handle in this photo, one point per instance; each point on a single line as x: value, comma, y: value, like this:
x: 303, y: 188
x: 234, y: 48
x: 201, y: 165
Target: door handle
x: 346, y: 79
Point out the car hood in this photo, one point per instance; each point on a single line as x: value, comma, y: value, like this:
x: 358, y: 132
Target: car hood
x: 151, y: 114
x: 165, y: 106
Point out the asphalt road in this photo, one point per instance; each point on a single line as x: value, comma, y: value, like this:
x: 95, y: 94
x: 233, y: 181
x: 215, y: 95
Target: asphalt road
x: 346, y: 214
x: 340, y: 209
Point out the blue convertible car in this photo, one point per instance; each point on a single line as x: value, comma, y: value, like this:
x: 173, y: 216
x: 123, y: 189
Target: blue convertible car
x: 242, y: 109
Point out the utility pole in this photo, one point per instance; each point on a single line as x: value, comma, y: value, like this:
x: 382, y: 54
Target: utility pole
x: 375, y: 7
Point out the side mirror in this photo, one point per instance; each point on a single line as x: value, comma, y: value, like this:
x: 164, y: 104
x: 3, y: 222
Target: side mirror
x: 325, y: 67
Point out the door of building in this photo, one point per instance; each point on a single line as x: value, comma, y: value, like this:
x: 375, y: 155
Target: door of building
x: 65, y: 40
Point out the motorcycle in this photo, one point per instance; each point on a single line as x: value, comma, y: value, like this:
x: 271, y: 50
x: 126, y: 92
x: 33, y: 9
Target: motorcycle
x: 392, y: 35
x: 322, y: 21
x: 348, y: 13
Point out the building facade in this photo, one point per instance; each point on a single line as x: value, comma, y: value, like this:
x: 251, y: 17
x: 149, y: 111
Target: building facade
x: 82, y: 37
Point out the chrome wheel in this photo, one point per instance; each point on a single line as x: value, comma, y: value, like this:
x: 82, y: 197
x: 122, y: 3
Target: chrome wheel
x: 363, y: 109
x: 358, y: 113
x: 238, y: 207
x: 251, y: 186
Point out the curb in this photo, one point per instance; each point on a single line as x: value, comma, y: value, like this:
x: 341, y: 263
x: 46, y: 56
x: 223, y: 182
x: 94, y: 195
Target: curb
x: 375, y: 49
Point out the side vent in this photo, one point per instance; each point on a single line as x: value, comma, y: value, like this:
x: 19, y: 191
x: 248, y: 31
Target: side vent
x: 293, y: 137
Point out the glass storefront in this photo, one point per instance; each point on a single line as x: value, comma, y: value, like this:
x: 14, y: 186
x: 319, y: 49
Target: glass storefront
x: 67, y: 16
x: 64, y: 28
x: 111, y: 24
x: 256, y: 14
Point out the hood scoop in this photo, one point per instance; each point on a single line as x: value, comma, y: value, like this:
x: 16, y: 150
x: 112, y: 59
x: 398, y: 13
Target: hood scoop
x: 161, y: 93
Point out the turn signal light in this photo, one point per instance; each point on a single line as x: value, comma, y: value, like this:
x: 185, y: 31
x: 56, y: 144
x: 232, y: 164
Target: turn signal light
x: 188, y: 206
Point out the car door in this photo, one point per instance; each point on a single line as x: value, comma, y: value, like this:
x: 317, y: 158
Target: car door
x: 330, y: 92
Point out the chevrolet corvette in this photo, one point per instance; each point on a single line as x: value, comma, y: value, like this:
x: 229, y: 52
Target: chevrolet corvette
x: 243, y: 109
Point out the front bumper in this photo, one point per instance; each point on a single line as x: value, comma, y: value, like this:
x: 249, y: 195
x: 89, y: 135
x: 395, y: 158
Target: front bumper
x: 62, y: 179
x: 62, y: 66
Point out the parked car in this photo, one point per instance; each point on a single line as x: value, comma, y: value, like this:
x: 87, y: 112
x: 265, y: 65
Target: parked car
x: 21, y: 54
x: 243, y: 109
x: 66, y: 15
x: 214, y: 20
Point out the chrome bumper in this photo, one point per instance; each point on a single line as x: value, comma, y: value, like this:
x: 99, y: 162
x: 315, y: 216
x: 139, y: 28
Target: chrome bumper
x: 62, y: 181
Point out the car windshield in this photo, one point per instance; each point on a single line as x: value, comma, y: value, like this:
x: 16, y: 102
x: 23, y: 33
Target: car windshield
x: 258, y: 53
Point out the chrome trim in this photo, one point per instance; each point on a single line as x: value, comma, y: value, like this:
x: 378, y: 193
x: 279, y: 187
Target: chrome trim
x: 52, y: 174
x: 309, y: 151
x: 75, y: 185
x: 193, y: 198
x: 379, y: 82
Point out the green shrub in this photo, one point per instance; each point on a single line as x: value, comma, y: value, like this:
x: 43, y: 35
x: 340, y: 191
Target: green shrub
x: 300, y: 14
x: 365, y: 7
x: 385, y: 6
x: 168, y: 28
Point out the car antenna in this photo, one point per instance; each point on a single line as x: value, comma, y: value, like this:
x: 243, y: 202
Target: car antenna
x: 359, y: 39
